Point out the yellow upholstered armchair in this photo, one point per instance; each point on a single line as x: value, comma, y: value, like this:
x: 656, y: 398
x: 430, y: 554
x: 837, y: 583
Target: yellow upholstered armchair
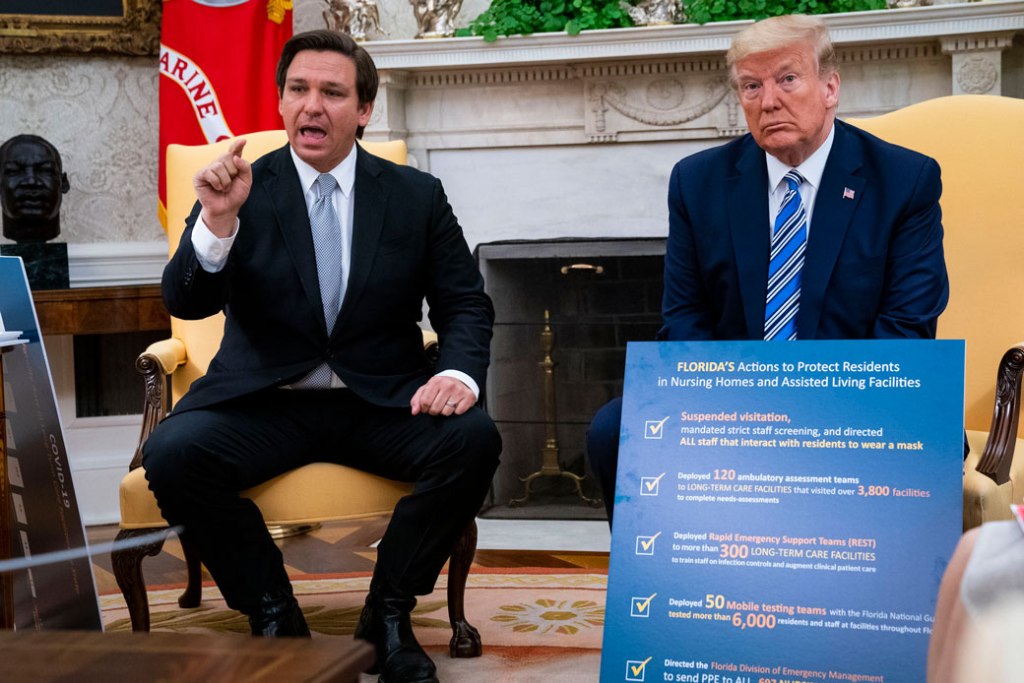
x: 303, y: 496
x: 978, y: 141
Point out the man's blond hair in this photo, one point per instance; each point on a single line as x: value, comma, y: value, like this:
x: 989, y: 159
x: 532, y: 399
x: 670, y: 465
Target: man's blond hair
x: 778, y: 32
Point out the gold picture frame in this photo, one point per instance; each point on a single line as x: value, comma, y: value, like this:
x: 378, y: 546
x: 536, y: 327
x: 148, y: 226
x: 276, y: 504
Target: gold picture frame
x: 135, y: 31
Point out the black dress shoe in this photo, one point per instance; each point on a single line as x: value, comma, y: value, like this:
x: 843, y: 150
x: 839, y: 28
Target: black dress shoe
x: 278, y: 616
x: 386, y: 624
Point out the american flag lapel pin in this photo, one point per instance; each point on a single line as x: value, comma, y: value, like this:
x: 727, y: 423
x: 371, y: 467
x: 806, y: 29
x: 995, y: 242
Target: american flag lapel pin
x: 847, y: 193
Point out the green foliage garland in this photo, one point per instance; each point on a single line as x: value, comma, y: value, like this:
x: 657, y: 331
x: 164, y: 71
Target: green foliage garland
x: 523, y: 17
x: 704, y: 11
x: 511, y: 17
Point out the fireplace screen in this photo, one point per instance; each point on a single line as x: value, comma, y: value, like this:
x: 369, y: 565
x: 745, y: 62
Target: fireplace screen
x: 564, y: 310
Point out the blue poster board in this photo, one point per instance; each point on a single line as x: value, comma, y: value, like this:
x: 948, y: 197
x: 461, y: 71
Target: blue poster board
x: 783, y: 512
x: 58, y: 595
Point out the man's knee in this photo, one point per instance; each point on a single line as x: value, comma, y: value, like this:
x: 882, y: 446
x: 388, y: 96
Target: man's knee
x: 480, y: 441
x: 603, y: 435
x: 170, y: 455
x: 157, y: 457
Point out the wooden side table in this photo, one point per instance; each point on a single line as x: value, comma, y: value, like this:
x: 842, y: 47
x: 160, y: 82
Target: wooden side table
x: 101, y: 310
x: 60, y: 656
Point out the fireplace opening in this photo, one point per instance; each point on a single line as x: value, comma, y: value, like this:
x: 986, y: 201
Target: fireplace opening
x: 564, y: 310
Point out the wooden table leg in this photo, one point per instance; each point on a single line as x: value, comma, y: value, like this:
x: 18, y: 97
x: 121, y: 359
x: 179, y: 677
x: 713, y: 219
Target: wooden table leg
x: 6, y: 578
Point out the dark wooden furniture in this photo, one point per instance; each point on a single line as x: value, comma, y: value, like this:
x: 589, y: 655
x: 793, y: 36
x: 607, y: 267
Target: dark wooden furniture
x: 101, y: 310
x: 94, y: 657
x: 6, y: 580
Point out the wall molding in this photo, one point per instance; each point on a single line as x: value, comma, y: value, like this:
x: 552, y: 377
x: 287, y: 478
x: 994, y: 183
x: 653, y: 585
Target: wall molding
x: 112, y: 264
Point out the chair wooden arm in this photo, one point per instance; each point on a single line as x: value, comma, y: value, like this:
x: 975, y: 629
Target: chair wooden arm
x: 154, y: 364
x: 169, y: 353
x: 1002, y: 436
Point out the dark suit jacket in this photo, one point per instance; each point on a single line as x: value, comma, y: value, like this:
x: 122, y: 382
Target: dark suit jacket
x: 873, y: 268
x: 406, y: 246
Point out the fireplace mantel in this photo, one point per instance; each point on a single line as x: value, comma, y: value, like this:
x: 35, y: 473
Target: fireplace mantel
x: 550, y: 135
x: 976, y: 20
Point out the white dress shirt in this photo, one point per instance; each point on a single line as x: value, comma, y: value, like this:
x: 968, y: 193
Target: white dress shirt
x: 812, y: 170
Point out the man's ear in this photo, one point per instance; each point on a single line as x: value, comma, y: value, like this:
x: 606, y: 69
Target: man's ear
x: 64, y: 184
x: 365, y: 111
x: 832, y: 89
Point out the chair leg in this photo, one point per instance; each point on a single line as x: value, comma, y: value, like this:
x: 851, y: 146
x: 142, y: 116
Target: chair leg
x: 465, y: 640
x: 193, y: 593
x: 127, y: 566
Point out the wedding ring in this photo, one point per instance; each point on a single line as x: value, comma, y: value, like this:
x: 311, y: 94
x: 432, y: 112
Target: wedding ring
x: 452, y: 403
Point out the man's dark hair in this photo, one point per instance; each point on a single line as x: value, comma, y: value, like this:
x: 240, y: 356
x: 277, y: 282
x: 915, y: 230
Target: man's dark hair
x: 332, y: 41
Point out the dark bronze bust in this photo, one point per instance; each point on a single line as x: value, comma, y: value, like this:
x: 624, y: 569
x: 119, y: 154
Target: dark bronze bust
x: 32, y: 182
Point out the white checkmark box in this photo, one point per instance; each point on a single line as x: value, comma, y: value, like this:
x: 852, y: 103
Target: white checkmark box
x: 635, y: 669
x: 655, y: 429
x: 645, y: 544
x: 649, y: 485
x: 640, y: 606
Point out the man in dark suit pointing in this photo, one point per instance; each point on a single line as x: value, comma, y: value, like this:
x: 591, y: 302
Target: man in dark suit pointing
x: 806, y: 228
x: 320, y: 256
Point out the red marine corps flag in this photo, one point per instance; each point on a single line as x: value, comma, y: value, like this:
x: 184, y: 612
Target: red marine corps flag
x: 217, y: 63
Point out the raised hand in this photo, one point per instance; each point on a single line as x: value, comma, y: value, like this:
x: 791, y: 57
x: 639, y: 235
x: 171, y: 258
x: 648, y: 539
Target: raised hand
x: 222, y: 188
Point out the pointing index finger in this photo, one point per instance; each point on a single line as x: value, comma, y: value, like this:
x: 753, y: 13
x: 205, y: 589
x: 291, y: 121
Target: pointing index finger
x: 236, y: 147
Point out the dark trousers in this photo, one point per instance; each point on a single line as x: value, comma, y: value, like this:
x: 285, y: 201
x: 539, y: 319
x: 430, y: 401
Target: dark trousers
x: 603, y: 450
x: 198, y: 461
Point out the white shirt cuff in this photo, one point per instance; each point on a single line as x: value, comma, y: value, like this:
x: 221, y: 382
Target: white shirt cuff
x: 464, y: 378
x: 211, y: 251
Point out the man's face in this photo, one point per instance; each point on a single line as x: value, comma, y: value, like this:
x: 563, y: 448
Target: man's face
x: 789, y: 107
x: 321, y: 109
x: 32, y: 183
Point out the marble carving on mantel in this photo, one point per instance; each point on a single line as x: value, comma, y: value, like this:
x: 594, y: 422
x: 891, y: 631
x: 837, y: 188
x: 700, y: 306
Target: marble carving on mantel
x: 977, y: 75
x: 640, y: 102
x: 977, y: 62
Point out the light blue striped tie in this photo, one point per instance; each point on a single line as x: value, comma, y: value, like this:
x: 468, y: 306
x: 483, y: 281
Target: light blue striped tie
x: 327, y: 244
x: 326, y: 229
x: 789, y: 240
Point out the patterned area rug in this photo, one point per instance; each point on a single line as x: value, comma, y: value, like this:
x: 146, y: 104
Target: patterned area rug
x: 536, y: 624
